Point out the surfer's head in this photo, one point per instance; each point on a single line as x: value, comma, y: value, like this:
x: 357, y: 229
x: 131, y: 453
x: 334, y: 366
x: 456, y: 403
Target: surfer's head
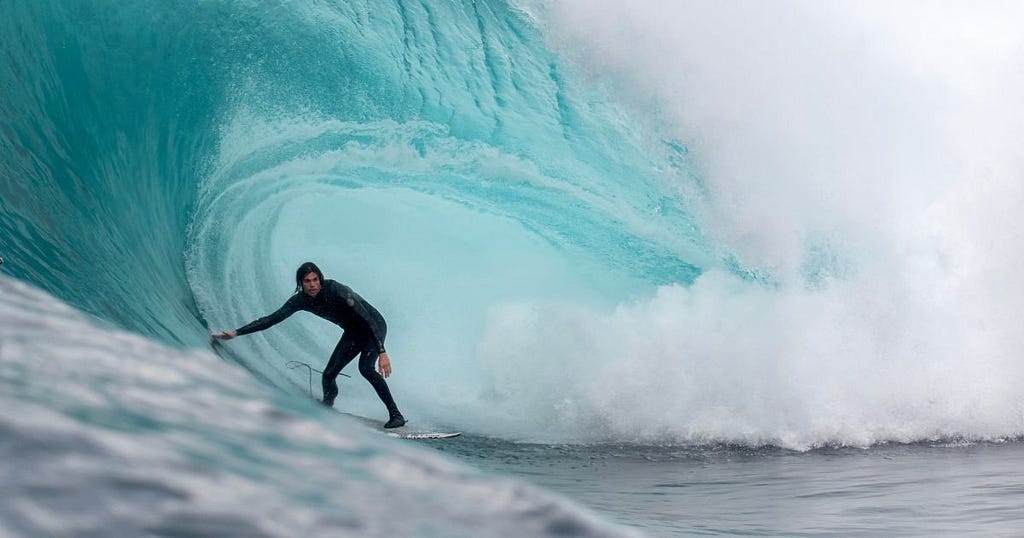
x: 309, y: 278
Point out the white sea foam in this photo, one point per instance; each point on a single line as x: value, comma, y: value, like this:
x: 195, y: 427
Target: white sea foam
x: 864, y: 159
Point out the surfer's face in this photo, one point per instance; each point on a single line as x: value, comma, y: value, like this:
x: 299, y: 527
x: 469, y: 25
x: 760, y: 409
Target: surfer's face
x: 311, y: 284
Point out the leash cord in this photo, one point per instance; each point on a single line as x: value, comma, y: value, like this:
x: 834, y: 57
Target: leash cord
x: 291, y: 365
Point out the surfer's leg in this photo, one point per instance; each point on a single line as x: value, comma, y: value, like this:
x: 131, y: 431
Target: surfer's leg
x: 344, y: 352
x: 366, y: 367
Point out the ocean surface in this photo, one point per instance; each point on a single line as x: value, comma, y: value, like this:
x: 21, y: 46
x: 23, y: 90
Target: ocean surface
x: 673, y: 268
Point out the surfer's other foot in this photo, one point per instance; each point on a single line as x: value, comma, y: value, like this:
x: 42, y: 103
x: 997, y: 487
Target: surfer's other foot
x: 329, y: 396
x: 396, y: 422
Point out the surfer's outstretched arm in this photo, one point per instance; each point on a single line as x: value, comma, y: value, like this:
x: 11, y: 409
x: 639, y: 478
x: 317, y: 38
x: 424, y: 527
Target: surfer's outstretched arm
x: 290, y: 307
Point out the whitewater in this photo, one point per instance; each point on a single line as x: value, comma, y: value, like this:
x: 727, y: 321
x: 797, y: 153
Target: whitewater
x: 672, y: 268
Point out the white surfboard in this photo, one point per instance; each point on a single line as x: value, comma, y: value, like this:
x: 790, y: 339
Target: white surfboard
x: 421, y: 435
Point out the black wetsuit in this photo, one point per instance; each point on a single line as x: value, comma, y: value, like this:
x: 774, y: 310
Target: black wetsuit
x: 364, y: 333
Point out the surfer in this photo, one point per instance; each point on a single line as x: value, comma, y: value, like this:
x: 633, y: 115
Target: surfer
x: 364, y: 333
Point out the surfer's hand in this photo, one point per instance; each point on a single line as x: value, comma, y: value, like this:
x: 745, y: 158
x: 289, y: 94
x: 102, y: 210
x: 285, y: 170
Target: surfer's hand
x: 384, y: 365
x: 225, y: 335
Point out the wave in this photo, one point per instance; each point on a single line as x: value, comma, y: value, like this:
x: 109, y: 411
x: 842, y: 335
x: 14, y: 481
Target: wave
x: 573, y: 237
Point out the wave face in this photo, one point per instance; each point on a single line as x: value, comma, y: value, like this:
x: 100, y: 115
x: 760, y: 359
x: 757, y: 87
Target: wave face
x: 574, y: 236
x: 134, y: 438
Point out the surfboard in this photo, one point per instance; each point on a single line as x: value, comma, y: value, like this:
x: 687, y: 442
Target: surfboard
x: 422, y: 435
x: 404, y: 432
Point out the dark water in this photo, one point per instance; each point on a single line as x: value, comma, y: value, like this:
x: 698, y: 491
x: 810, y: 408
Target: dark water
x: 894, y: 490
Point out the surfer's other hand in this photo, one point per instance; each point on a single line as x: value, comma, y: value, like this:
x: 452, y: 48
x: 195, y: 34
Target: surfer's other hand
x: 225, y: 335
x: 384, y: 365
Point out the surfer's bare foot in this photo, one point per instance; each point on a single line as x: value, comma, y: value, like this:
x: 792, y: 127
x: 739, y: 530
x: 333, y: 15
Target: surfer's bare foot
x: 396, y: 422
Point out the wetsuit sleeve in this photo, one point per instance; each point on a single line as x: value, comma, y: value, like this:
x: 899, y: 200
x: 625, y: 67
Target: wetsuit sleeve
x: 290, y: 307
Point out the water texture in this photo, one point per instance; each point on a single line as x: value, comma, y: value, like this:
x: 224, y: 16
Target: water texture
x: 764, y: 231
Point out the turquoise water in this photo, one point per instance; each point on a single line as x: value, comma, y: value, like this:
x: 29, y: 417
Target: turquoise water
x: 593, y: 230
